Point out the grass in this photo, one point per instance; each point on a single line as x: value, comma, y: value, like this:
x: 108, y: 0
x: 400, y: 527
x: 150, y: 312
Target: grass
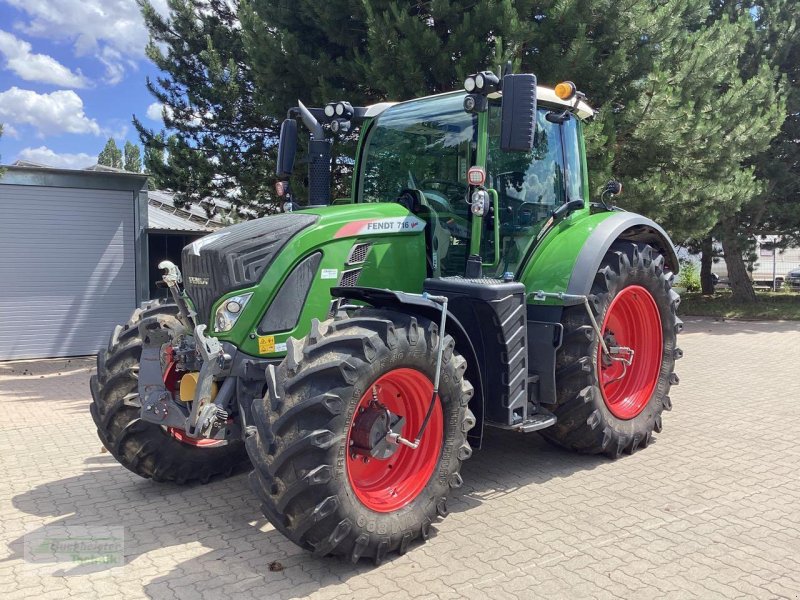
x: 770, y: 306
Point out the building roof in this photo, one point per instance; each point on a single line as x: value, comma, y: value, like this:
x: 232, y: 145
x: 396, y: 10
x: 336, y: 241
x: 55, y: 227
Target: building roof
x: 163, y: 215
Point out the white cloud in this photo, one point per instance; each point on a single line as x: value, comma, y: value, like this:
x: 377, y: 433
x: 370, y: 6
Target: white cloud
x: 50, y: 114
x: 155, y: 112
x: 9, y: 131
x: 45, y: 156
x: 36, y: 67
x: 113, y: 31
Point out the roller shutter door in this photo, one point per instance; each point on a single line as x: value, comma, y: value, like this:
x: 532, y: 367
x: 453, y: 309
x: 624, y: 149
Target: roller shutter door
x: 67, y: 269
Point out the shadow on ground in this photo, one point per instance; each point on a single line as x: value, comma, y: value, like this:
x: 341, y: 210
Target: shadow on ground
x: 235, y: 539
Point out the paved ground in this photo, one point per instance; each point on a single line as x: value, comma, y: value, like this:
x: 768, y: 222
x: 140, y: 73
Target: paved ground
x: 711, y: 510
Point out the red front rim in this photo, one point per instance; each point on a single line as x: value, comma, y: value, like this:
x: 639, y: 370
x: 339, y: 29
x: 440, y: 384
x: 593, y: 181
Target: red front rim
x: 388, y: 485
x: 632, y: 321
x: 172, y: 381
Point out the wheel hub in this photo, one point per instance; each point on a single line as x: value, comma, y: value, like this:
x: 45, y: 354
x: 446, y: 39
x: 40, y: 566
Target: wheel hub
x: 369, y: 436
x: 628, y: 374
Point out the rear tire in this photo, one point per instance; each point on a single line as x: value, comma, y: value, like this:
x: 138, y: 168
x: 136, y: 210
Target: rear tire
x: 594, y: 416
x: 300, y: 443
x: 142, y: 447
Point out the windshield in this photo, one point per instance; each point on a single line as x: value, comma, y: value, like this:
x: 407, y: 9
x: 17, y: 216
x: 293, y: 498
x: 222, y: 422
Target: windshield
x: 425, y: 145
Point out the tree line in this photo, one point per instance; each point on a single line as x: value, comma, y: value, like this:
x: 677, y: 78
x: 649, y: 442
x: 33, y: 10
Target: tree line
x: 699, y: 100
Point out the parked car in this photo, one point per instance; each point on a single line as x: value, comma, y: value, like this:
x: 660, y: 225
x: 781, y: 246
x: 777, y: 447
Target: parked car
x: 793, y: 278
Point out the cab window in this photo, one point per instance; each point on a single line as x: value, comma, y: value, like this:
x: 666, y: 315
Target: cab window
x: 530, y: 185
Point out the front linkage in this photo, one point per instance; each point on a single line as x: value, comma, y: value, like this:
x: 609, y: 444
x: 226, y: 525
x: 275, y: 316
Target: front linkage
x: 168, y: 346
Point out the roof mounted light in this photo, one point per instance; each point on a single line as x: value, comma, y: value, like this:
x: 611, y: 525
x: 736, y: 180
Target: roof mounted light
x: 487, y: 82
x: 469, y: 84
x: 344, y: 110
x: 566, y: 90
x: 330, y: 109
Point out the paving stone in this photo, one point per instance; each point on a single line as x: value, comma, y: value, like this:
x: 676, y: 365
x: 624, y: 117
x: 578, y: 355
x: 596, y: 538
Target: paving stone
x: 710, y: 510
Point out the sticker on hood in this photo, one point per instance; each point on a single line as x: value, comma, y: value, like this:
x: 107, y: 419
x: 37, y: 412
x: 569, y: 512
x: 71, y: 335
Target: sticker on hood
x: 407, y: 224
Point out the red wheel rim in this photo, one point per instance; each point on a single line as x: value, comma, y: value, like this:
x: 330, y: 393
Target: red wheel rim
x: 388, y: 485
x: 633, y: 321
x: 172, y: 381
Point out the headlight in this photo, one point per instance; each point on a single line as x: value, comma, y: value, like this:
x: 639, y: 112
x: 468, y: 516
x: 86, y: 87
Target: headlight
x: 228, y: 312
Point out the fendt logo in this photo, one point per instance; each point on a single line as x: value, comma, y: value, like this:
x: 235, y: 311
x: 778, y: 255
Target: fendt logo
x: 198, y: 280
x: 407, y: 224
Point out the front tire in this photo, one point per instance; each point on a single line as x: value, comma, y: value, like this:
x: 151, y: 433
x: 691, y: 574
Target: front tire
x: 145, y: 448
x: 603, y: 406
x: 313, y: 487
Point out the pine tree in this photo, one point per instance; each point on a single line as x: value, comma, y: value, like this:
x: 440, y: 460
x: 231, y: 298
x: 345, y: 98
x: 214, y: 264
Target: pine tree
x: 223, y: 143
x: 775, y: 211
x: 110, y: 155
x: 133, y: 158
x: 679, y: 118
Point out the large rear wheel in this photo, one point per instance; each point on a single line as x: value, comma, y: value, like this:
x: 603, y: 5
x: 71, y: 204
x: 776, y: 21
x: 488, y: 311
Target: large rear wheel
x: 613, y: 404
x: 147, y: 449
x: 325, y: 471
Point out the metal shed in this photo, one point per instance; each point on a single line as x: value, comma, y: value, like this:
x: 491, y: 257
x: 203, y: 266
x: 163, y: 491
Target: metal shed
x: 73, y: 258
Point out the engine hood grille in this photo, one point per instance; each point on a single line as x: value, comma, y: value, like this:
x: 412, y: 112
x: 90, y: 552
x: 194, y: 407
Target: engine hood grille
x: 236, y: 257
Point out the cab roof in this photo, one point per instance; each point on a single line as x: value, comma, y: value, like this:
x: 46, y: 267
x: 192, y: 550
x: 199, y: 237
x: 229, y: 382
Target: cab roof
x: 543, y: 94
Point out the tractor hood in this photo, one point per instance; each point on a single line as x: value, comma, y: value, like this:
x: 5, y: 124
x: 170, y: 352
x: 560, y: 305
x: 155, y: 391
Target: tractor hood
x: 236, y: 257
x: 263, y: 252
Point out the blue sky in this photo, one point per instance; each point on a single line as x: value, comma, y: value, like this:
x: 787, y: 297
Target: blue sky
x: 72, y: 72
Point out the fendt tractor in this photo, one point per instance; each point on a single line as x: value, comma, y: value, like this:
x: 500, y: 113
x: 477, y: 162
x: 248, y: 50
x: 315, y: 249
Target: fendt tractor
x: 355, y: 351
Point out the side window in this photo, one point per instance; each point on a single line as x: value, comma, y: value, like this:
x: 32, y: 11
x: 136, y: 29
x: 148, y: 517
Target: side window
x: 572, y: 153
x: 529, y: 185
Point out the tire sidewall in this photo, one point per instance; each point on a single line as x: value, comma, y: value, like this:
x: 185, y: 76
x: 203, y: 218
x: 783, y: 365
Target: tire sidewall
x: 424, y: 506
x: 639, y: 273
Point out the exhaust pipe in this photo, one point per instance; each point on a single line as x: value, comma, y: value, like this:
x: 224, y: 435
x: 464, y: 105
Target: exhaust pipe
x: 319, y: 160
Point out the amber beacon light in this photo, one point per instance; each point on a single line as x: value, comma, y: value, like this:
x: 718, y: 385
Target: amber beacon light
x: 566, y: 90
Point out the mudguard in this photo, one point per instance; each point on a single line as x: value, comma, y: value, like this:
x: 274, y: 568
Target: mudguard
x: 619, y: 226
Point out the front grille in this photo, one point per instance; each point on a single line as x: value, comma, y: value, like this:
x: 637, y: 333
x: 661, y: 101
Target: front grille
x: 350, y: 278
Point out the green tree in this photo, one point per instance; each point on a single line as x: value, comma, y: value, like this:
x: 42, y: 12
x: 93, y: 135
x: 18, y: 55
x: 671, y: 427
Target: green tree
x: 775, y: 42
x: 154, y: 162
x: 679, y: 117
x: 222, y: 142
x: 110, y: 155
x: 133, y: 158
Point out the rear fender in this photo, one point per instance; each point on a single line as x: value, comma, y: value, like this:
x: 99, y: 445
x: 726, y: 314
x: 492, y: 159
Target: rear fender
x: 416, y: 305
x: 568, y: 257
x: 620, y: 226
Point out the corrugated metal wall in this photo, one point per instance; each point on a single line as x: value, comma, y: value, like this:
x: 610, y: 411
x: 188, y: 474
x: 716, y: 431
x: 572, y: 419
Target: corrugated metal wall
x: 67, y: 269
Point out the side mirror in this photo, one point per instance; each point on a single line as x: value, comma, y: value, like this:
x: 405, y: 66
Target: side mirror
x: 518, y: 126
x: 287, y: 148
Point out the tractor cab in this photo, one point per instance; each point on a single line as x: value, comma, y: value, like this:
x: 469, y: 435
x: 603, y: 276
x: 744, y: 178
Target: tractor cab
x: 423, y: 152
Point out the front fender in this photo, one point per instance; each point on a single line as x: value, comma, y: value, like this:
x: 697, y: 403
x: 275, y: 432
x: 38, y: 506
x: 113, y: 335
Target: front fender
x: 619, y: 226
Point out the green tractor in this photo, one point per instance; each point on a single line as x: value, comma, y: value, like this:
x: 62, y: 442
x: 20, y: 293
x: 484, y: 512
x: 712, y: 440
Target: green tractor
x: 354, y: 352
